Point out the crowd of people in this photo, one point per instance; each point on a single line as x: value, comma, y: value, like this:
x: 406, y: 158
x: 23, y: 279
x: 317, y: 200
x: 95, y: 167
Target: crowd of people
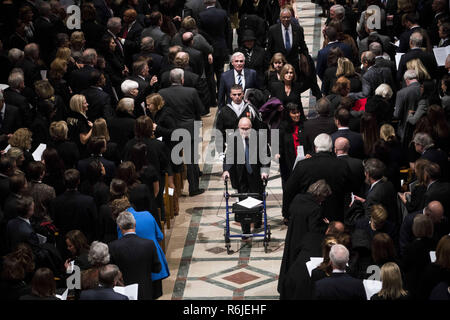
x: 89, y: 107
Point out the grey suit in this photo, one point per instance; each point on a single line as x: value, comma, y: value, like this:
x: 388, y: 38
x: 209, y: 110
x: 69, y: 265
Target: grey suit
x: 162, y: 40
x: 371, y: 79
x: 406, y: 100
x: 388, y: 47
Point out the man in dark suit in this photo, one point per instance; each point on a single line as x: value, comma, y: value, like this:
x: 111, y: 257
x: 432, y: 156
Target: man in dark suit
x: 444, y: 35
x: 6, y: 170
x: 440, y: 9
x: 322, y: 124
x: 154, y: 60
x: 437, y: 190
x: 10, y: 119
x: 406, y: 100
x: 342, y: 120
x: 322, y: 56
x: 45, y: 31
x: 381, y: 191
x: 214, y: 22
x: 194, y: 7
x: 290, y: 46
x: 99, y: 101
x: 381, y: 62
x: 416, y: 52
x: 187, y: 106
x: 340, y: 285
x: 424, y: 145
x: 190, y: 78
x: 238, y: 75
x: 131, y: 32
x: 255, y: 56
x: 372, y: 77
x: 195, y: 56
x: 322, y: 165
x: 411, y: 25
x: 104, y: 11
x: 341, y: 149
x: 19, y: 229
x: 29, y: 64
x: 246, y: 176
x: 140, y: 74
x: 80, y: 79
x: 73, y: 210
x: 137, y: 264
x: 162, y: 40
x: 108, y: 277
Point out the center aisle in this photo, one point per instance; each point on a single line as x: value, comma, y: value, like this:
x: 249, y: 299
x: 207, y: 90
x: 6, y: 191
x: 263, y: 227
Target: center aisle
x: 198, y: 261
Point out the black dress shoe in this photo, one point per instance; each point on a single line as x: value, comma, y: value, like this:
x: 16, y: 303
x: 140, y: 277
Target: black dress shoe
x: 196, y: 192
x: 323, y: 15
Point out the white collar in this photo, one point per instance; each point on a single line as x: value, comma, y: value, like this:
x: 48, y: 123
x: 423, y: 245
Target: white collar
x: 344, y: 128
x: 236, y: 73
x: 24, y: 219
x: 338, y: 271
x: 373, y: 184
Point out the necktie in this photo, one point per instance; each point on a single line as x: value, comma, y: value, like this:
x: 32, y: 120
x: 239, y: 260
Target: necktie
x: 239, y: 79
x: 247, y: 158
x: 288, y: 40
x: 125, y: 33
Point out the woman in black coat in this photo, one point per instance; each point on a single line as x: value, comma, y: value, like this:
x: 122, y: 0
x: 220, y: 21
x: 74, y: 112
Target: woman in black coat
x: 291, y: 138
x: 277, y: 63
x: 288, y: 89
x: 115, y: 65
x: 121, y: 126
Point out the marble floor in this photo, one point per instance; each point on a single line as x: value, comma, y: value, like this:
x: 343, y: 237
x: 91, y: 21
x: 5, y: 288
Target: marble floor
x: 195, y: 248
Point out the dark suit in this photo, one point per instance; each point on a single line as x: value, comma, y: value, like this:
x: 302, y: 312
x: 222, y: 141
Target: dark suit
x: 162, y: 40
x: 246, y: 178
x: 383, y: 192
x: 191, y: 79
x: 156, y: 63
x: 45, y: 36
x: 74, y: 211
x: 256, y: 61
x: 275, y: 44
x: 80, y: 79
x: 322, y: 56
x: 355, y: 139
x: 31, y: 72
x: 426, y: 58
x: 187, y: 106
x: 288, y: 154
x: 314, y: 127
x: 93, y: 32
x: 404, y: 39
x: 215, y: 24
x: 322, y: 165
x: 11, y: 119
x: 17, y: 99
x: 195, y: 60
x: 227, y: 80
x: 137, y: 259
x: 381, y: 62
x: 339, y: 286
x: 17, y: 231
x: 99, y: 103
x: 101, y: 294
x: 439, y: 191
x: 103, y: 11
x: 357, y: 173
x: 121, y: 128
x: 388, y: 47
x: 110, y: 167
x: 371, y: 79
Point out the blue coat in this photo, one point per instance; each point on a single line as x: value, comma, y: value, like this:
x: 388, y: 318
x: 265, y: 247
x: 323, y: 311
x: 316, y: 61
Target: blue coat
x: 147, y: 228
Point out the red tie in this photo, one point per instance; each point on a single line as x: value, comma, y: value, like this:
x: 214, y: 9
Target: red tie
x: 125, y: 33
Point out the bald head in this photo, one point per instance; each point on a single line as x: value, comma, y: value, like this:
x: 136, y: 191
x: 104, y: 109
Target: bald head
x: 187, y: 38
x: 335, y: 227
x: 245, y: 122
x: 341, y: 146
x: 435, y: 211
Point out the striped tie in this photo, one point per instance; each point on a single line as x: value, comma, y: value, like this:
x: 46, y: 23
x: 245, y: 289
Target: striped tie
x: 239, y: 79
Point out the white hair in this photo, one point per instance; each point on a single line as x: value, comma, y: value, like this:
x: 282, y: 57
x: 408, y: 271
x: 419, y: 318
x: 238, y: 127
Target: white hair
x: 129, y: 85
x: 338, y: 9
x: 410, y: 75
x: 98, y: 253
x: 323, y: 143
x: 126, y: 220
x: 339, y: 256
x: 384, y: 90
x: 237, y: 54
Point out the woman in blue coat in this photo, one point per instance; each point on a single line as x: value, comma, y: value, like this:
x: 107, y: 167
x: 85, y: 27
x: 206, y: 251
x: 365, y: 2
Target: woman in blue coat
x: 147, y: 228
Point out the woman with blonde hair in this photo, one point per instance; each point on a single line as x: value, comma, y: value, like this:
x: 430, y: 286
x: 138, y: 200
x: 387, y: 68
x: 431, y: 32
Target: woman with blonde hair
x: 100, y: 128
x: 346, y: 69
x: 421, y: 71
x: 273, y: 73
x: 59, y: 69
x: 80, y: 128
x: 77, y: 41
x: 392, y: 284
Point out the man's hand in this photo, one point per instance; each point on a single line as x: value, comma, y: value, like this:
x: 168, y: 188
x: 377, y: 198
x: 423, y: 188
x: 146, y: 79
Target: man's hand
x: 225, y: 175
x: 210, y: 58
x: 360, y: 199
x: 153, y: 80
x: 264, y: 176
